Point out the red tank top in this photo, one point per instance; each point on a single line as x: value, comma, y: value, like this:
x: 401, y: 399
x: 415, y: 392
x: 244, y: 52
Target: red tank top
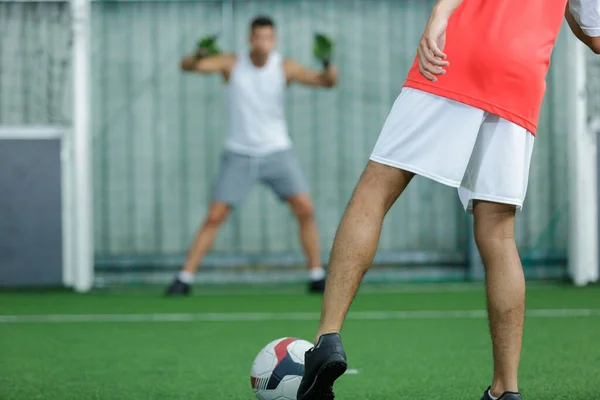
x: 499, y: 53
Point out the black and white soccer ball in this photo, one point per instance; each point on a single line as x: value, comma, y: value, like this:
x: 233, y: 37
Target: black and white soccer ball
x: 278, y: 368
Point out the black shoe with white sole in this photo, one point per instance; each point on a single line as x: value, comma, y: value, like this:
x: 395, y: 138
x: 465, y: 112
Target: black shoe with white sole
x: 505, y: 396
x: 178, y: 288
x: 323, y: 364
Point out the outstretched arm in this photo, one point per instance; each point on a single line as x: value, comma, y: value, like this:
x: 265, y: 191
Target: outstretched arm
x: 296, y: 72
x: 583, y: 17
x: 220, y: 63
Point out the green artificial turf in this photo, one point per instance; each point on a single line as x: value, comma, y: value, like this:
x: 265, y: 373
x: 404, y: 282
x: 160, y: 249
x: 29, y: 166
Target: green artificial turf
x: 410, y: 357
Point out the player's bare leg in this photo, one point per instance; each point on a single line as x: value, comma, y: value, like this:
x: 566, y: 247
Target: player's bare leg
x: 203, y: 242
x: 353, y: 250
x: 357, y: 239
x: 303, y: 208
x: 505, y: 284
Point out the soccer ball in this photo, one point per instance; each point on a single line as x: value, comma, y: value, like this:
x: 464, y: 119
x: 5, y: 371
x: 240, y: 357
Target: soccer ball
x: 277, y: 369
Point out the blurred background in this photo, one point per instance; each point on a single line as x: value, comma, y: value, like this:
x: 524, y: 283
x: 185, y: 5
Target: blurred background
x: 155, y: 136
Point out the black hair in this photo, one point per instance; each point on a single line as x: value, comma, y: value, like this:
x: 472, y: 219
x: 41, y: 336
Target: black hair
x: 262, y: 21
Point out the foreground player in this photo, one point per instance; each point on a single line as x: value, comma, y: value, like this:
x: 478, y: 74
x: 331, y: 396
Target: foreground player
x: 258, y: 147
x: 466, y: 120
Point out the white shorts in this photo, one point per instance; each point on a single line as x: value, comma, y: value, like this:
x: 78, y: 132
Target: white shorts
x: 484, y: 156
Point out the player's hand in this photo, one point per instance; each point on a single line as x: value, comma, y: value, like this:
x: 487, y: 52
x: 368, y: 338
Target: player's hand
x: 431, y: 56
x: 323, y: 49
x: 207, y: 46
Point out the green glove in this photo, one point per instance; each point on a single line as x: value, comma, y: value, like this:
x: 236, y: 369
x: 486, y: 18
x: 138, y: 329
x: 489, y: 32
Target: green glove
x: 207, y: 46
x: 323, y: 49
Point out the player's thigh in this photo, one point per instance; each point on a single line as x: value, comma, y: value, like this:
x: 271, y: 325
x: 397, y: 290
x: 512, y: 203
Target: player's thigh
x: 498, y: 171
x: 281, y: 173
x: 237, y: 176
x: 379, y: 187
x: 429, y: 135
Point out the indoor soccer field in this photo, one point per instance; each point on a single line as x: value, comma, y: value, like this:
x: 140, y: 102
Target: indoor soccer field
x: 403, y: 342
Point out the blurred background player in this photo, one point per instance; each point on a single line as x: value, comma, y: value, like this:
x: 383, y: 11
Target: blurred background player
x: 258, y: 147
x: 466, y: 118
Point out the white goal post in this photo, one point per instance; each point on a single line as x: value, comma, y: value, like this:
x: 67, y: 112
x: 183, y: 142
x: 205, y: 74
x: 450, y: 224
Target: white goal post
x: 45, y: 95
x: 82, y: 211
x: 582, y: 185
x: 83, y: 275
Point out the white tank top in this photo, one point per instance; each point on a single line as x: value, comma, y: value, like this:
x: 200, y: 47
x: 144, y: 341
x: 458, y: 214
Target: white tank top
x: 256, y: 104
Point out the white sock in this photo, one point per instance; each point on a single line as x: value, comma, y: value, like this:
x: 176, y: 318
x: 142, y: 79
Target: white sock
x: 491, y: 397
x: 186, y: 277
x: 316, y: 273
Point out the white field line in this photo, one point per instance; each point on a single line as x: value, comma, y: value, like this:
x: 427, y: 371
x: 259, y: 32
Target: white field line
x: 292, y: 316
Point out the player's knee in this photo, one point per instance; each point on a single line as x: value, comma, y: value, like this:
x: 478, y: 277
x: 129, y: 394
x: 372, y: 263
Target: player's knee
x: 216, y: 216
x: 304, y: 210
x: 483, y: 239
x: 595, y: 45
x: 379, y: 186
x: 494, y: 226
x: 494, y: 246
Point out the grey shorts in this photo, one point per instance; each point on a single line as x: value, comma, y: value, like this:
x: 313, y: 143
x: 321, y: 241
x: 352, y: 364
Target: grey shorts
x: 239, y: 173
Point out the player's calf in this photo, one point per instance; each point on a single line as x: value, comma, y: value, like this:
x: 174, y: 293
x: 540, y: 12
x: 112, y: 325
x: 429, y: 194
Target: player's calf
x: 323, y: 364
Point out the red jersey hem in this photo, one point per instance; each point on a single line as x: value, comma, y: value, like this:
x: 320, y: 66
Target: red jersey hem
x: 477, y: 103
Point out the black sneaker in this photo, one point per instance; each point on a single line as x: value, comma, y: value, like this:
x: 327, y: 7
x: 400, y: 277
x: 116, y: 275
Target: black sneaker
x: 323, y: 364
x: 505, y: 395
x: 316, y: 286
x: 178, y: 288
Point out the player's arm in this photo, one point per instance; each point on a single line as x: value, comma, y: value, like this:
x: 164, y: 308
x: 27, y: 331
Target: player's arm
x: 296, y: 72
x: 583, y: 17
x: 430, y: 52
x: 446, y: 7
x: 219, y: 63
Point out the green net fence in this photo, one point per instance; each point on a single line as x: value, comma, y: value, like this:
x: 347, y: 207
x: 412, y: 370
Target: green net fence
x: 35, y: 46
